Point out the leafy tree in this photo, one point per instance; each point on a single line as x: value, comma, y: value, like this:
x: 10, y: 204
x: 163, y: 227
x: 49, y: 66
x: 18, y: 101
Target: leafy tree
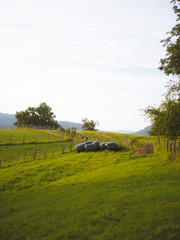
x: 166, y: 117
x: 89, y: 125
x: 37, y: 116
x: 171, y: 63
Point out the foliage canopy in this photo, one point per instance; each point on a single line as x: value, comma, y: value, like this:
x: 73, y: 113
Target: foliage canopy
x: 171, y: 63
x: 89, y: 125
x: 166, y: 117
x: 37, y: 116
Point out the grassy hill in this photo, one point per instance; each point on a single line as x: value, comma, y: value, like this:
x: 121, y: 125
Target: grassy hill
x: 103, y: 195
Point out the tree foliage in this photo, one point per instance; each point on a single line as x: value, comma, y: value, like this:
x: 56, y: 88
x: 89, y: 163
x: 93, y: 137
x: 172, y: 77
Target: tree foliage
x: 37, y: 116
x: 171, y: 63
x: 89, y: 125
x: 166, y: 117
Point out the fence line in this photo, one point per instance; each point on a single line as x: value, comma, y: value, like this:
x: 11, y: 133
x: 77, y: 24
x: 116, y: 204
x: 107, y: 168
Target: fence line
x: 136, y: 145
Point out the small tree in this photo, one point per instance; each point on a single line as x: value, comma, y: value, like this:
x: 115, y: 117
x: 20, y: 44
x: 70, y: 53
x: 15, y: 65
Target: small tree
x: 89, y: 125
x: 37, y: 116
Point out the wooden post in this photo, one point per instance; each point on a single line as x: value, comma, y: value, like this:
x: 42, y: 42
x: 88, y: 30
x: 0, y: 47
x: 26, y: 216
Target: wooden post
x: 171, y: 145
x: 175, y: 147
x: 36, y: 137
x: 167, y: 147
x: 151, y: 147
x: 45, y: 153
x: 53, y: 151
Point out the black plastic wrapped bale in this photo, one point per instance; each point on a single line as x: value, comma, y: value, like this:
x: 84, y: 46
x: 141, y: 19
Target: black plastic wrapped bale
x: 111, y: 146
x: 103, y: 145
x: 80, y: 147
x: 90, y: 147
x: 88, y: 142
x: 97, y: 145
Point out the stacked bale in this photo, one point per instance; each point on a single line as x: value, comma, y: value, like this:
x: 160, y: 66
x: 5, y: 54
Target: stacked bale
x: 90, y: 146
x: 80, y: 147
x: 97, y: 144
x: 103, y: 145
x: 111, y: 146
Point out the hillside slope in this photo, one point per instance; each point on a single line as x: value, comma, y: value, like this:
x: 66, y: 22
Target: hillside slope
x: 144, y: 131
x: 103, y: 195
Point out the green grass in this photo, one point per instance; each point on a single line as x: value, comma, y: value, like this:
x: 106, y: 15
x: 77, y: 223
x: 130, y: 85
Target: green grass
x: 123, y: 139
x: 103, y: 196
x: 20, y: 136
x: 19, y: 145
x: 16, y: 154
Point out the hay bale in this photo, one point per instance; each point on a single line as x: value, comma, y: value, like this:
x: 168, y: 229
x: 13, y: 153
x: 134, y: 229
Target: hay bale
x: 97, y: 145
x: 90, y: 147
x: 111, y: 146
x: 103, y: 145
x: 80, y: 147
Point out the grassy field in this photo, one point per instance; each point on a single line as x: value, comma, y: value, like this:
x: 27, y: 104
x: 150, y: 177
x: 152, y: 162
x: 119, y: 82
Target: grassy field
x: 20, y: 145
x: 87, y: 196
x: 23, y: 136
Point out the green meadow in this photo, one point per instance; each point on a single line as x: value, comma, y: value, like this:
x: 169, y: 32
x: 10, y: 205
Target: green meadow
x: 91, y: 196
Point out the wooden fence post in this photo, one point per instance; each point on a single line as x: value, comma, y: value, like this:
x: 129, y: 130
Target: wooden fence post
x: 175, y: 147
x: 167, y: 147
x: 36, y: 137
x: 45, y: 153
x: 24, y: 138
x: 171, y: 146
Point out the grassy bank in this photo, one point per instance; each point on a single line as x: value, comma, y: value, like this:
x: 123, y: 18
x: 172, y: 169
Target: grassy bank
x: 102, y: 195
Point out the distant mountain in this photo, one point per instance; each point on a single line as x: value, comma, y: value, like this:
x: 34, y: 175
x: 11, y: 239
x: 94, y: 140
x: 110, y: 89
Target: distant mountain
x: 66, y: 124
x: 7, y: 120
x: 144, y: 131
x: 123, y: 131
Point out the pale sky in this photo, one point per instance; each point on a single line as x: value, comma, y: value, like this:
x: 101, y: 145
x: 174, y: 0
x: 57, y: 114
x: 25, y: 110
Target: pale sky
x: 85, y: 58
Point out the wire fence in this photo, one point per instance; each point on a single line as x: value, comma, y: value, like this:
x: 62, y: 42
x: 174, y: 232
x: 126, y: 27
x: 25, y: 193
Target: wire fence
x: 13, y: 154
